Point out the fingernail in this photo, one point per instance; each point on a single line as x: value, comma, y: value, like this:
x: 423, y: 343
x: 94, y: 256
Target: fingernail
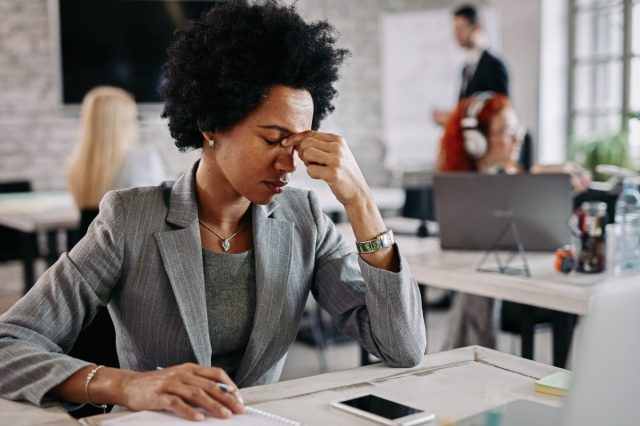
x: 199, y: 417
x: 226, y: 412
x: 283, y: 142
x: 240, y: 398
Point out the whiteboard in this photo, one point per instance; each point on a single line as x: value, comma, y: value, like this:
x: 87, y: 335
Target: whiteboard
x: 421, y: 65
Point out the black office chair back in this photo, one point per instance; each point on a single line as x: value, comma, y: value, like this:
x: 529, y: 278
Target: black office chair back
x: 11, y: 240
x: 418, y: 203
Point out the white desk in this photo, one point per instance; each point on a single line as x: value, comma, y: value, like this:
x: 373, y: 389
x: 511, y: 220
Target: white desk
x: 546, y: 288
x: 454, y: 385
x: 33, y: 211
x: 456, y: 270
x: 30, y: 212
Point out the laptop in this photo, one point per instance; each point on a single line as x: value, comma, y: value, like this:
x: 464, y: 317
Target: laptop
x: 604, y: 388
x: 472, y: 210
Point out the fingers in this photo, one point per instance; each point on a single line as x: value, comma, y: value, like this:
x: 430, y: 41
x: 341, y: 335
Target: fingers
x: 176, y: 405
x: 199, y: 397
x: 215, y: 374
x: 318, y: 148
x: 327, y: 157
x: 313, y: 155
x: 231, y: 400
x: 185, y: 388
x: 310, y: 134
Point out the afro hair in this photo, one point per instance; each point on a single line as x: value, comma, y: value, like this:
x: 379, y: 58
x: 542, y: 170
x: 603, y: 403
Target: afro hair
x: 221, y: 65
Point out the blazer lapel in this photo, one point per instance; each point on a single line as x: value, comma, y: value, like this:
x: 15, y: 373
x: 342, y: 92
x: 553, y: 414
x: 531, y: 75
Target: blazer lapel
x: 181, y: 252
x: 272, y: 242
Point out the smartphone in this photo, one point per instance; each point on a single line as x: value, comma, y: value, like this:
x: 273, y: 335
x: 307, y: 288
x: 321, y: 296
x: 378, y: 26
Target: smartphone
x: 383, y: 411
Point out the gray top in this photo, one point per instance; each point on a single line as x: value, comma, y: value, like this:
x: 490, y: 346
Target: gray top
x: 230, y: 289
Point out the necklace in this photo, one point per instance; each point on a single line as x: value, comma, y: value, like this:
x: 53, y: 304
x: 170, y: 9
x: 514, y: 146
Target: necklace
x: 226, y: 245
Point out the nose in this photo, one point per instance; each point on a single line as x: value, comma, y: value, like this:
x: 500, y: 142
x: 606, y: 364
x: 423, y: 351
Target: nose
x: 284, y: 162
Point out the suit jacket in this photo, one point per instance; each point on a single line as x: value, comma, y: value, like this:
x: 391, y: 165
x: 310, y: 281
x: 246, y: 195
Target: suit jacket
x: 144, y: 259
x: 490, y: 75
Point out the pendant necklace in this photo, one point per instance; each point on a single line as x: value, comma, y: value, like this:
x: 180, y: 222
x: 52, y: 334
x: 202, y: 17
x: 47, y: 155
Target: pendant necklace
x: 225, y: 244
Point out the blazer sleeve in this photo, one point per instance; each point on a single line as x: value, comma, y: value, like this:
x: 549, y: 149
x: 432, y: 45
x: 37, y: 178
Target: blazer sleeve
x: 382, y: 309
x: 43, y: 325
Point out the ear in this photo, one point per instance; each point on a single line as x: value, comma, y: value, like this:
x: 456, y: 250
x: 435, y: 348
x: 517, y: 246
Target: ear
x: 208, y: 135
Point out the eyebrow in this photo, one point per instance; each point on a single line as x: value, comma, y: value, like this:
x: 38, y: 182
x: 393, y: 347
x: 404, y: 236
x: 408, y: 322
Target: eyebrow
x: 276, y: 127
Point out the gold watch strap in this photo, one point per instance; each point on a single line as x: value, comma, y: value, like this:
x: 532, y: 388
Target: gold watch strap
x: 380, y: 242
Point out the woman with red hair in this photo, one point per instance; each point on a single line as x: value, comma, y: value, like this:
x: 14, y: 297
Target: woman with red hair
x: 483, y: 134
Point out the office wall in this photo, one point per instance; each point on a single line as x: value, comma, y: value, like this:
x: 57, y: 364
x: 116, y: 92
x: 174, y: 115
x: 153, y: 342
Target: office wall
x: 520, y: 21
x: 554, y: 72
x: 37, y: 134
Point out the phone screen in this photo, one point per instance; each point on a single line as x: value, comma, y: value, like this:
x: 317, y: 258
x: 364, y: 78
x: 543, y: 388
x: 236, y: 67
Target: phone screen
x: 381, y: 407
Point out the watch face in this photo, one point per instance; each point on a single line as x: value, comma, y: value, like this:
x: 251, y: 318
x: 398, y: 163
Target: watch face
x: 387, y: 239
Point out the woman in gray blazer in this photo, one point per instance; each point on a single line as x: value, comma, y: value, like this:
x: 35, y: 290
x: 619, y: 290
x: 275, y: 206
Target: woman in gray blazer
x: 208, y: 278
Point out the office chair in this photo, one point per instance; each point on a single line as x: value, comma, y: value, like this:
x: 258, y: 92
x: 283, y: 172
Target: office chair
x: 517, y: 318
x: 312, y: 331
x: 11, y: 241
x: 418, y: 204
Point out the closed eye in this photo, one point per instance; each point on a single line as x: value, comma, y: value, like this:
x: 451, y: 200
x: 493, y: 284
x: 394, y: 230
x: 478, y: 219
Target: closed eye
x: 274, y: 142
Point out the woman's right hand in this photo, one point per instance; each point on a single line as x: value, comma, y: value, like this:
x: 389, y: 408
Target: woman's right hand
x: 181, y: 389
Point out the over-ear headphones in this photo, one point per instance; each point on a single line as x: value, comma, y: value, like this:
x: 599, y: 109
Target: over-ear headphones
x: 475, y: 143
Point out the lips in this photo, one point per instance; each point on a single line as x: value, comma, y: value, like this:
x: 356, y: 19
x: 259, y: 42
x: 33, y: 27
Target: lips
x: 275, y: 187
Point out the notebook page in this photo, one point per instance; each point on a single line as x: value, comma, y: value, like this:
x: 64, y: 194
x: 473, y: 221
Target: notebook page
x: 251, y: 417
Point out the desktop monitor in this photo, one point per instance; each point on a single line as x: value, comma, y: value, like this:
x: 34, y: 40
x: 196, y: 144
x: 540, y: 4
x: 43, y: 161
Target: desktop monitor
x: 472, y: 210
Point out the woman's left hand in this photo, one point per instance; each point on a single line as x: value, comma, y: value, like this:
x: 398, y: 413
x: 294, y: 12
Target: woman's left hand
x: 328, y: 157
x: 580, y: 177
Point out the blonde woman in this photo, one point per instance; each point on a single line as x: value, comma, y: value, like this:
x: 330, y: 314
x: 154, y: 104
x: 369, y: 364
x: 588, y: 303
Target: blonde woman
x: 107, y: 155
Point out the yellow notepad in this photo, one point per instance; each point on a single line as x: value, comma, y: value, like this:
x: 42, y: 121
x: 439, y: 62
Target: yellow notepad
x: 554, y: 384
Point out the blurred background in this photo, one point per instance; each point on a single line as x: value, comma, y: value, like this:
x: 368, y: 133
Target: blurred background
x: 574, y: 67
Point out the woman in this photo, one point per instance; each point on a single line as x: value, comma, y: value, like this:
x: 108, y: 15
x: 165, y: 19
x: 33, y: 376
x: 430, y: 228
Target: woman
x: 208, y: 278
x: 483, y: 134
x: 107, y: 155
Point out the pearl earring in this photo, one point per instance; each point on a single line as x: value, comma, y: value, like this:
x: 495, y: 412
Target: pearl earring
x: 211, y: 143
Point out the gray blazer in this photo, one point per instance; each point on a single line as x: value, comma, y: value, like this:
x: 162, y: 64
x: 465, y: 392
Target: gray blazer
x: 144, y: 260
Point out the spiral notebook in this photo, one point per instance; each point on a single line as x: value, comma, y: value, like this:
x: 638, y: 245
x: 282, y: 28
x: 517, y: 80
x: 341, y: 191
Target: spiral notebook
x: 251, y: 416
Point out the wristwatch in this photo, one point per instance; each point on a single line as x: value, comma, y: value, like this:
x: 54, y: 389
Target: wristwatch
x: 380, y: 242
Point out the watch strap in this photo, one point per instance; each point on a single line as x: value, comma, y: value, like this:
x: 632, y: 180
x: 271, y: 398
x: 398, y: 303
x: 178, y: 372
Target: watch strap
x: 380, y: 242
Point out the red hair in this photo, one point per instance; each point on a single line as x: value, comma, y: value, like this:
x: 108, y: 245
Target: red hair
x: 453, y: 157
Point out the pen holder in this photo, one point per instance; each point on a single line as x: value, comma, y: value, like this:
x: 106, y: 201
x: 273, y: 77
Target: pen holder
x: 592, y: 249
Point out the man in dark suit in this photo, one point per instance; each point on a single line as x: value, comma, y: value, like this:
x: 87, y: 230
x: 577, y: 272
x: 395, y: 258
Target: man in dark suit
x: 482, y: 70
